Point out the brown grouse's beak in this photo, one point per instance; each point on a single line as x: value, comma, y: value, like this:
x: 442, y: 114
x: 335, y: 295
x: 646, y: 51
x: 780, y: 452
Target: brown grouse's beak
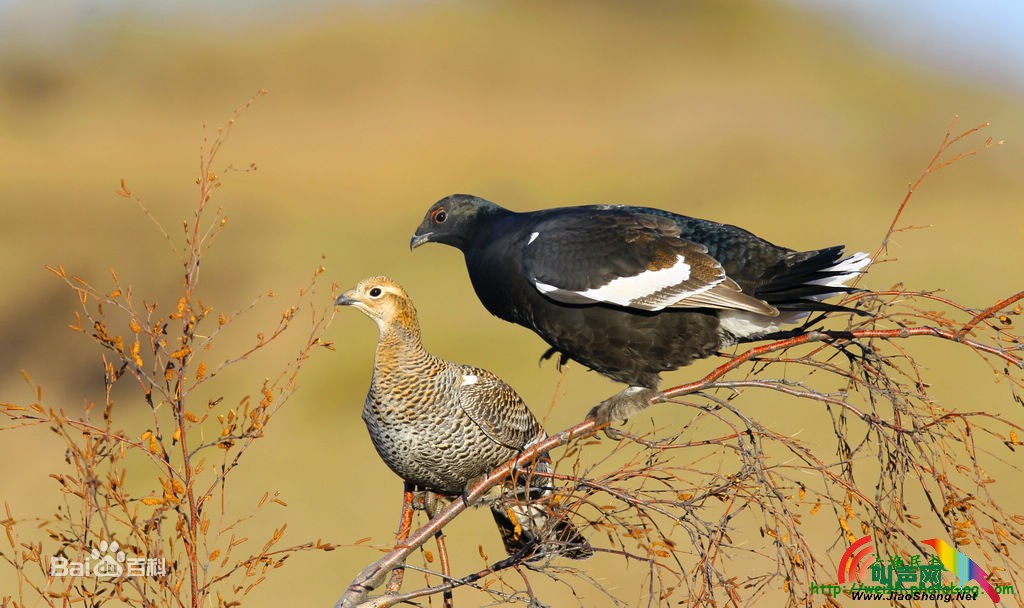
x: 345, y: 300
x: 418, y: 239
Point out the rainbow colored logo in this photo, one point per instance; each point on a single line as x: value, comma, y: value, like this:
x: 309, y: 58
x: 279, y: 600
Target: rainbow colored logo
x: 963, y: 567
x: 853, y: 566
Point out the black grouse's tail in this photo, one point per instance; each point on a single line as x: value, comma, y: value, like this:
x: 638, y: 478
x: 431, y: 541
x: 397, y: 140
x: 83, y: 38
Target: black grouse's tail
x: 802, y: 280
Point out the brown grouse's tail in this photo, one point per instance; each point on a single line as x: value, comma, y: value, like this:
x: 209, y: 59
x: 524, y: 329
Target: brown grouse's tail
x: 532, y: 528
x: 529, y: 519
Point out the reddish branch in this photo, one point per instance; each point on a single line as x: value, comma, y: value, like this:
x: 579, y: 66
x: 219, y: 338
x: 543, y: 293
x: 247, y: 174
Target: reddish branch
x: 935, y: 164
x: 990, y: 312
x: 823, y: 336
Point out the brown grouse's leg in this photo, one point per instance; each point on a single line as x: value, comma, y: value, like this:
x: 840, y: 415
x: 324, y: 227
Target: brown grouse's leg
x: 404, y: 527
x: 431, y: 504
x: 446, y: 569
x: 623, y: 405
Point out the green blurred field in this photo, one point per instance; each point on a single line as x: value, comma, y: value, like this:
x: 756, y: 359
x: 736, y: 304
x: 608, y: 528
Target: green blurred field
x: 755, y: 115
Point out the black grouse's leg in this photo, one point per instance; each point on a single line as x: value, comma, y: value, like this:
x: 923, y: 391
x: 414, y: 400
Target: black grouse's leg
x: 621, y: 406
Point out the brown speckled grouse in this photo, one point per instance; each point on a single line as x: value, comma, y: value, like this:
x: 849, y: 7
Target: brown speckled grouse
x: 441, y: 425
x: 629, y: 291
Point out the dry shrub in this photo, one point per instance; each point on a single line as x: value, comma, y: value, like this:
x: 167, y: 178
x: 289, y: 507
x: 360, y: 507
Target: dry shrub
x: 196, y: 438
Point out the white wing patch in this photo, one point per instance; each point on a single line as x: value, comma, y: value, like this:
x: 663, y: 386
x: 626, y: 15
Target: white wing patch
x: 533, y: 237
x: 746, y: 324
x: 469, y: 379
x: 629, y: 291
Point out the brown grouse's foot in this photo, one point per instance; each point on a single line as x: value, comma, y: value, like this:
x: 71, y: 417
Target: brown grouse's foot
x: 623, y: 405
x: 430, y: 502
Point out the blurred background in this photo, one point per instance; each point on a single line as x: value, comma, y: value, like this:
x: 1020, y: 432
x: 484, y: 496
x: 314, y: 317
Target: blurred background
x: 800, y: 120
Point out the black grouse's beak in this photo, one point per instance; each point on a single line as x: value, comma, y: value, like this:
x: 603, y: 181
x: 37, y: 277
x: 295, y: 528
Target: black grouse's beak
x: 345, y: 300
x: 418, y: 239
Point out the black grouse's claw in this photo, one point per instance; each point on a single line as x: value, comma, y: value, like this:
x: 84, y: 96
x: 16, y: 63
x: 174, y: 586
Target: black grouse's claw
x: 622, y: 406
x: 551, y: 352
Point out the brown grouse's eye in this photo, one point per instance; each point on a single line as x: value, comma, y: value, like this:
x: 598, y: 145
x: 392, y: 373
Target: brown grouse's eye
x: 375, y: 292
x: 440, y: 216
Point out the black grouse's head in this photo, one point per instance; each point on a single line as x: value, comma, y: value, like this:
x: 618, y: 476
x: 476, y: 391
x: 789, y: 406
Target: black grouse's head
x: 453, y: 220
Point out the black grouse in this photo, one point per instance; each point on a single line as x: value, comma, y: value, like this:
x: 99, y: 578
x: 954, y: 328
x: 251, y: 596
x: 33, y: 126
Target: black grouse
x: 631, y: 292
x: 441, y: 426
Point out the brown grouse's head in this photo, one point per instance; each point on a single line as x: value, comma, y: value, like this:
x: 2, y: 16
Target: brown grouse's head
x: 383, y: 300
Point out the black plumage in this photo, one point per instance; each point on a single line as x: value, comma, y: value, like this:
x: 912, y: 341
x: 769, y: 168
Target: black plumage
x: 630, y: 291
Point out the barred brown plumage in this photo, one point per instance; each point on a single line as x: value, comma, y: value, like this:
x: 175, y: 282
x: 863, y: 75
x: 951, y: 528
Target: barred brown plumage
x: 441, y: 425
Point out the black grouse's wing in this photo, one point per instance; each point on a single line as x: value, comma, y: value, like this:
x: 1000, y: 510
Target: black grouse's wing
x: 626, y: 257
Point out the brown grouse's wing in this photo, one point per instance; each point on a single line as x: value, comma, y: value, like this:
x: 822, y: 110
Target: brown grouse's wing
x: 625, y: 257
x: 495, y: 407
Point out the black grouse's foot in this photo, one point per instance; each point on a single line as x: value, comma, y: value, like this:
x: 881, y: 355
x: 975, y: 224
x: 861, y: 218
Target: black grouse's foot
x: 623, y: 405
x: 559, y: 362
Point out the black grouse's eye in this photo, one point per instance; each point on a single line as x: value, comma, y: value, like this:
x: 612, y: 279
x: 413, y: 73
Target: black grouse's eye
x: 440, y: 216
x: 375, y: 292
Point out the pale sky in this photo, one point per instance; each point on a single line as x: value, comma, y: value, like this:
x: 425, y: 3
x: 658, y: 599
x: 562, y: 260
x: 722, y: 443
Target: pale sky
x: 979, y: 39
x: 973, y: 39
